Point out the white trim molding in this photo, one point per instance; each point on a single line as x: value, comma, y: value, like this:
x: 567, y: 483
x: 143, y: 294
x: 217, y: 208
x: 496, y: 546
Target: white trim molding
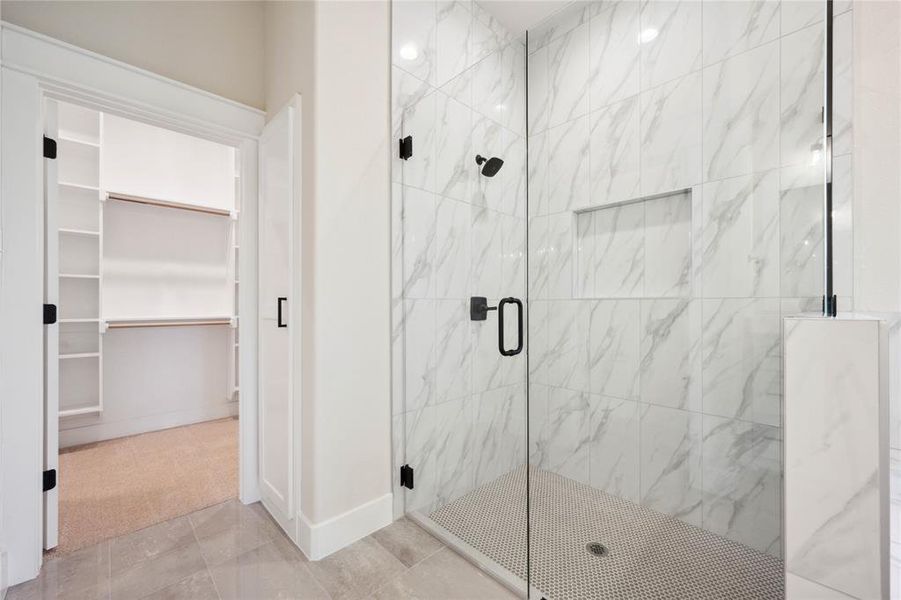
x: 36, y: 67
x: 318, y: 540
x: 21, y: 341
x: 165, y: 102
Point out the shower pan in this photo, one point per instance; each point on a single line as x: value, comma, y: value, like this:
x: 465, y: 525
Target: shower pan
x: 586, y: 344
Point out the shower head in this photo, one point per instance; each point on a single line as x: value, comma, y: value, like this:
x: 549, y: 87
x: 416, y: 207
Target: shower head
x: 492, y: 165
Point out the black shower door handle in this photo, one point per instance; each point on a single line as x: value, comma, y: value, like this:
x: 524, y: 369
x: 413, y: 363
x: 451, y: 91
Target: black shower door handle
x: 280, y: 323
x: 500, y: 326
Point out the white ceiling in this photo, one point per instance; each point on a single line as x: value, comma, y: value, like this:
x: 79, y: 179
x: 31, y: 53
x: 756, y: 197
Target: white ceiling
x: 519, y: 15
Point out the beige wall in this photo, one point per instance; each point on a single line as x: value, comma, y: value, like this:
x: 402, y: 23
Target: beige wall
x: 215, y: 46
x: 336, y: 55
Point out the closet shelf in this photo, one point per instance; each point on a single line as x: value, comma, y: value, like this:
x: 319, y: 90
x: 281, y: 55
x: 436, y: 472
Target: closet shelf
x: 80, y: 186
x: 77, y: 276
x: 76, y: 140
x: 87, y: 410
x: 79, y: 232
x: 169, y: 204
x: 79, y: 355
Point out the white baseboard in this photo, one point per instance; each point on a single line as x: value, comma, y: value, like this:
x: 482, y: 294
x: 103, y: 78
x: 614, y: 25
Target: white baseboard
x: 87, y: 434
x: 321, y: 539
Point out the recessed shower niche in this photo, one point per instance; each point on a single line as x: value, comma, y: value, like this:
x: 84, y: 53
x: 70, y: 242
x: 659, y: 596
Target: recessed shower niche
x: 640, y: 248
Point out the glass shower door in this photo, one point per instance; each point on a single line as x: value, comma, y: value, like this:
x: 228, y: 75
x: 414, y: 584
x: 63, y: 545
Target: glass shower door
x: 459, y: 198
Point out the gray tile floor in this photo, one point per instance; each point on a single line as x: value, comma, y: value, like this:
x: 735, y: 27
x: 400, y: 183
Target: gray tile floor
x: 235, y: 551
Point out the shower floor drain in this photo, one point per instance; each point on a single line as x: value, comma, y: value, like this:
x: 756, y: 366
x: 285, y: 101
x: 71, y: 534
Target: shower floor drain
x: 597, y: 549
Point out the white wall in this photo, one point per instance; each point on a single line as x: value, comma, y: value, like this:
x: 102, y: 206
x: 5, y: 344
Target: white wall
x: 336, y: 55
x: 154, y: 378
x: 152, y: 162
x: 215, y: 46
x: 165, y: 263
x: 877, y: 154
x: 350, y: 379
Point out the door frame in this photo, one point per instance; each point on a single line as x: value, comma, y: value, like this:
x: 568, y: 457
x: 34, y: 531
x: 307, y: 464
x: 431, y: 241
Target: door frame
x: 34, y: 68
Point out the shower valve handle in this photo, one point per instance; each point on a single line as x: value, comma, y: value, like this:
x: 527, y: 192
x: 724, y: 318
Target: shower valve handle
x: 478, y: 308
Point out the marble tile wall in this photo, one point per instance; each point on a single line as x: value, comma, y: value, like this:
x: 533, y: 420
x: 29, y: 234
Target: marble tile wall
x: 459, y: 89
x: 837, y: 459
x: 655, y: 326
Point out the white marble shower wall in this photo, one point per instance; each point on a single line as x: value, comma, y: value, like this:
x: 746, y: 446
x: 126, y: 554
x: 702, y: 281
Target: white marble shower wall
x: 694, y: 130
x: 458, y: 82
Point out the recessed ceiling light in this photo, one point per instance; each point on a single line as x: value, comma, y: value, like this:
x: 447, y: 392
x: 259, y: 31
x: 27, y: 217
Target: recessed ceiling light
x: 409, y: 52
x: 648, y: 35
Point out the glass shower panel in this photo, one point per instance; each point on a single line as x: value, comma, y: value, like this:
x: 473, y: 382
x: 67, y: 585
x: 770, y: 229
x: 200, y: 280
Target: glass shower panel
x: 675, y: 216
x: 458, y: 93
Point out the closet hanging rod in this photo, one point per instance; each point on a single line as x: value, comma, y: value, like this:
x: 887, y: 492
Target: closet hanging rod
x: 167, y: 204
x: 167, y: 324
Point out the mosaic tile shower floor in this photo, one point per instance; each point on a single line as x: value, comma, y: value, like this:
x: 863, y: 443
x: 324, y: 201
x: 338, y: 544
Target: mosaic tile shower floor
x: 651, y: 555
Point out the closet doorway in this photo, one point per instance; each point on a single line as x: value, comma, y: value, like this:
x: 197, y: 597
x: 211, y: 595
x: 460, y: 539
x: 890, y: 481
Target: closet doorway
x: 141, y: 374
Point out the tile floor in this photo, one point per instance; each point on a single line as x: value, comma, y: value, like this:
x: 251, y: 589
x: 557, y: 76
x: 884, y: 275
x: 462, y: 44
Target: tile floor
x: 118, y: 486
x: 235, y: 551
x: 651, y: 556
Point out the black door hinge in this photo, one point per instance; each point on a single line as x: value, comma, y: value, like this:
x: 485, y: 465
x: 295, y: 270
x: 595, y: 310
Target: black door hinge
x: 49, y: 480
x: 49, y: 314
x: 49, y: 147
x: 830, y: 306
x: 406, y: 147
x: 406, y: 477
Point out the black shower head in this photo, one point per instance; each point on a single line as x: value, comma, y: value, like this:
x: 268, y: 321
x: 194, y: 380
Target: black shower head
x: 492, y: 165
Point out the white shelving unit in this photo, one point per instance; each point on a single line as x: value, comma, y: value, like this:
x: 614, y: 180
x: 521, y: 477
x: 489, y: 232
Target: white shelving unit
x: 146, y: 221
x: 233, y: 267
x: 80, y: 231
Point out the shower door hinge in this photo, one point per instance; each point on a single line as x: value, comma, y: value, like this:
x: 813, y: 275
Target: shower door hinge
x: 49, y: 147
x: 49, y: 314
x: 49, y: 480
x: 406, y: 147
x: 406, y: 477
x: 830, y: 306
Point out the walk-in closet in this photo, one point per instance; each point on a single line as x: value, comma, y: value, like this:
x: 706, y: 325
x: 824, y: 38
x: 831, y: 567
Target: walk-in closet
x: 141, y: 248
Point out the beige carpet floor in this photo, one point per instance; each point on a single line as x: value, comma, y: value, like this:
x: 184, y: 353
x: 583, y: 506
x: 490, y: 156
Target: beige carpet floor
x: 123, y: 485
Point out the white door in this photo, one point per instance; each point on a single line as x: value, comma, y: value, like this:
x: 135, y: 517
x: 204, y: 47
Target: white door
x: 277, y: 313
x: 51, y: 332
